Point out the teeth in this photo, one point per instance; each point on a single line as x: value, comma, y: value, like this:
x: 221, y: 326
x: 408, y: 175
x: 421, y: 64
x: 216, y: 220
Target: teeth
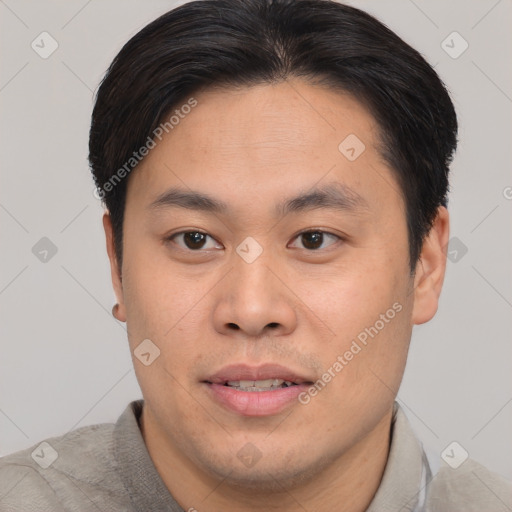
x: 259, y: 385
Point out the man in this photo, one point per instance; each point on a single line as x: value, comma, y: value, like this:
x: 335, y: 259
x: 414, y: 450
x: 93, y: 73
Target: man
x: 275, y: 175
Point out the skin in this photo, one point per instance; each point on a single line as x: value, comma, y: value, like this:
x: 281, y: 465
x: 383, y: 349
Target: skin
x: 300, y: 307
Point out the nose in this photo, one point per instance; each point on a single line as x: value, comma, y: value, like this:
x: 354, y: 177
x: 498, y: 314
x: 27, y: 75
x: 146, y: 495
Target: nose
x: 254, y: 300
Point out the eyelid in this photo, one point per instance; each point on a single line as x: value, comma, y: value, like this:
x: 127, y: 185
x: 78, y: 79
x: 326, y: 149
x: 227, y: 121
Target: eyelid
x: 318, y: 230
x: 170, y: 238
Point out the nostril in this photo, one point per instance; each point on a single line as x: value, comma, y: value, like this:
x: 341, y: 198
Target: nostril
x: 273, y: 324
x: 233, y: 326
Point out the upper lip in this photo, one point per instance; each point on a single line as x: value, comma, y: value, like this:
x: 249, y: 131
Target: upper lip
x: 238, y: 372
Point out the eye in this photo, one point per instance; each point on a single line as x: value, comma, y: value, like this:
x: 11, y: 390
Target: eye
x: 193, y: 240
x: 314, y: 240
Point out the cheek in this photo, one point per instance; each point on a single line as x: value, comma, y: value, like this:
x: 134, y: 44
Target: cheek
x: 170, y: 311
x: 158, y: 297
x: 368, y: 315
x: 347, y: 302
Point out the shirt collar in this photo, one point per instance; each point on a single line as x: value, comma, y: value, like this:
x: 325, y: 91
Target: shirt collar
x: 400, y: 488
x: 403, y: 483
x: 135, y: 467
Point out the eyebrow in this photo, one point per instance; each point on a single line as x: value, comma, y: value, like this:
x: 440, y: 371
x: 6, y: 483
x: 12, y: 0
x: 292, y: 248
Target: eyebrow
x: 176, y: 197
x: 334, y: 196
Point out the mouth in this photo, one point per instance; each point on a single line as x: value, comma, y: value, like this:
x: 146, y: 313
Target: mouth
x: 259, y: 385
x: 256, y: 391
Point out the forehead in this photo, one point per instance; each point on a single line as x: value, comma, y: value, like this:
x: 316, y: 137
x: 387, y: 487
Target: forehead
x: 266, y: 140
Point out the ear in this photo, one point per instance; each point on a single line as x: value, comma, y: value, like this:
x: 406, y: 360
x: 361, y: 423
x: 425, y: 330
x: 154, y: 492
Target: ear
x: 115, y: 271
x: 430, y: 269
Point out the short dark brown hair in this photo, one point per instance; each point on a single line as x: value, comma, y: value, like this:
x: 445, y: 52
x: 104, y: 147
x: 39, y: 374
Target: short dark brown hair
x: 247, y: 42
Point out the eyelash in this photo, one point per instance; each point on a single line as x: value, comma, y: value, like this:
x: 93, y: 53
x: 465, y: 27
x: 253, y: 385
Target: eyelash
x: 175, y: 235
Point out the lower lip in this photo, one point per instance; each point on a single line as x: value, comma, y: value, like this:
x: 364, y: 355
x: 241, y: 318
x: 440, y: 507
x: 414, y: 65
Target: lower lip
x: 255, y: 403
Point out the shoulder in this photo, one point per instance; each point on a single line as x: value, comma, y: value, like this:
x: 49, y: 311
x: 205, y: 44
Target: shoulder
x: 75, y: 471
x: 470, y: 487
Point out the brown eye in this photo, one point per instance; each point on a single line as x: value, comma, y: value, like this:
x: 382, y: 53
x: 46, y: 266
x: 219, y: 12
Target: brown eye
x: 314, y: 240
x: 194, y: 240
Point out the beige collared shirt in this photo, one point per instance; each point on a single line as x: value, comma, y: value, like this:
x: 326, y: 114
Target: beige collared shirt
x: 108, y: 468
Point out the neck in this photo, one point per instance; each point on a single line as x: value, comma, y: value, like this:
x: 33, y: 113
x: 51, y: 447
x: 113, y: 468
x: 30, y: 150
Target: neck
x: 349, y: 484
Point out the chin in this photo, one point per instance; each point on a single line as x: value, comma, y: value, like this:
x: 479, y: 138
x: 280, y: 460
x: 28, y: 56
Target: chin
x: 270, y: 480
x: 275, y: 475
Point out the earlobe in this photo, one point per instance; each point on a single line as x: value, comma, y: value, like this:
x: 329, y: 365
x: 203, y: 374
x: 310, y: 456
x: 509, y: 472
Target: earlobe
x: 430, y: 269
x: 115, y: 271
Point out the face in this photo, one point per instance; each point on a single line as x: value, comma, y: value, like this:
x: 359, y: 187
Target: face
x: 258, y: 250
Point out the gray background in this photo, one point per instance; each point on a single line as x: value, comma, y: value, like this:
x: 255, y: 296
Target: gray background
x: 65, y: 361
